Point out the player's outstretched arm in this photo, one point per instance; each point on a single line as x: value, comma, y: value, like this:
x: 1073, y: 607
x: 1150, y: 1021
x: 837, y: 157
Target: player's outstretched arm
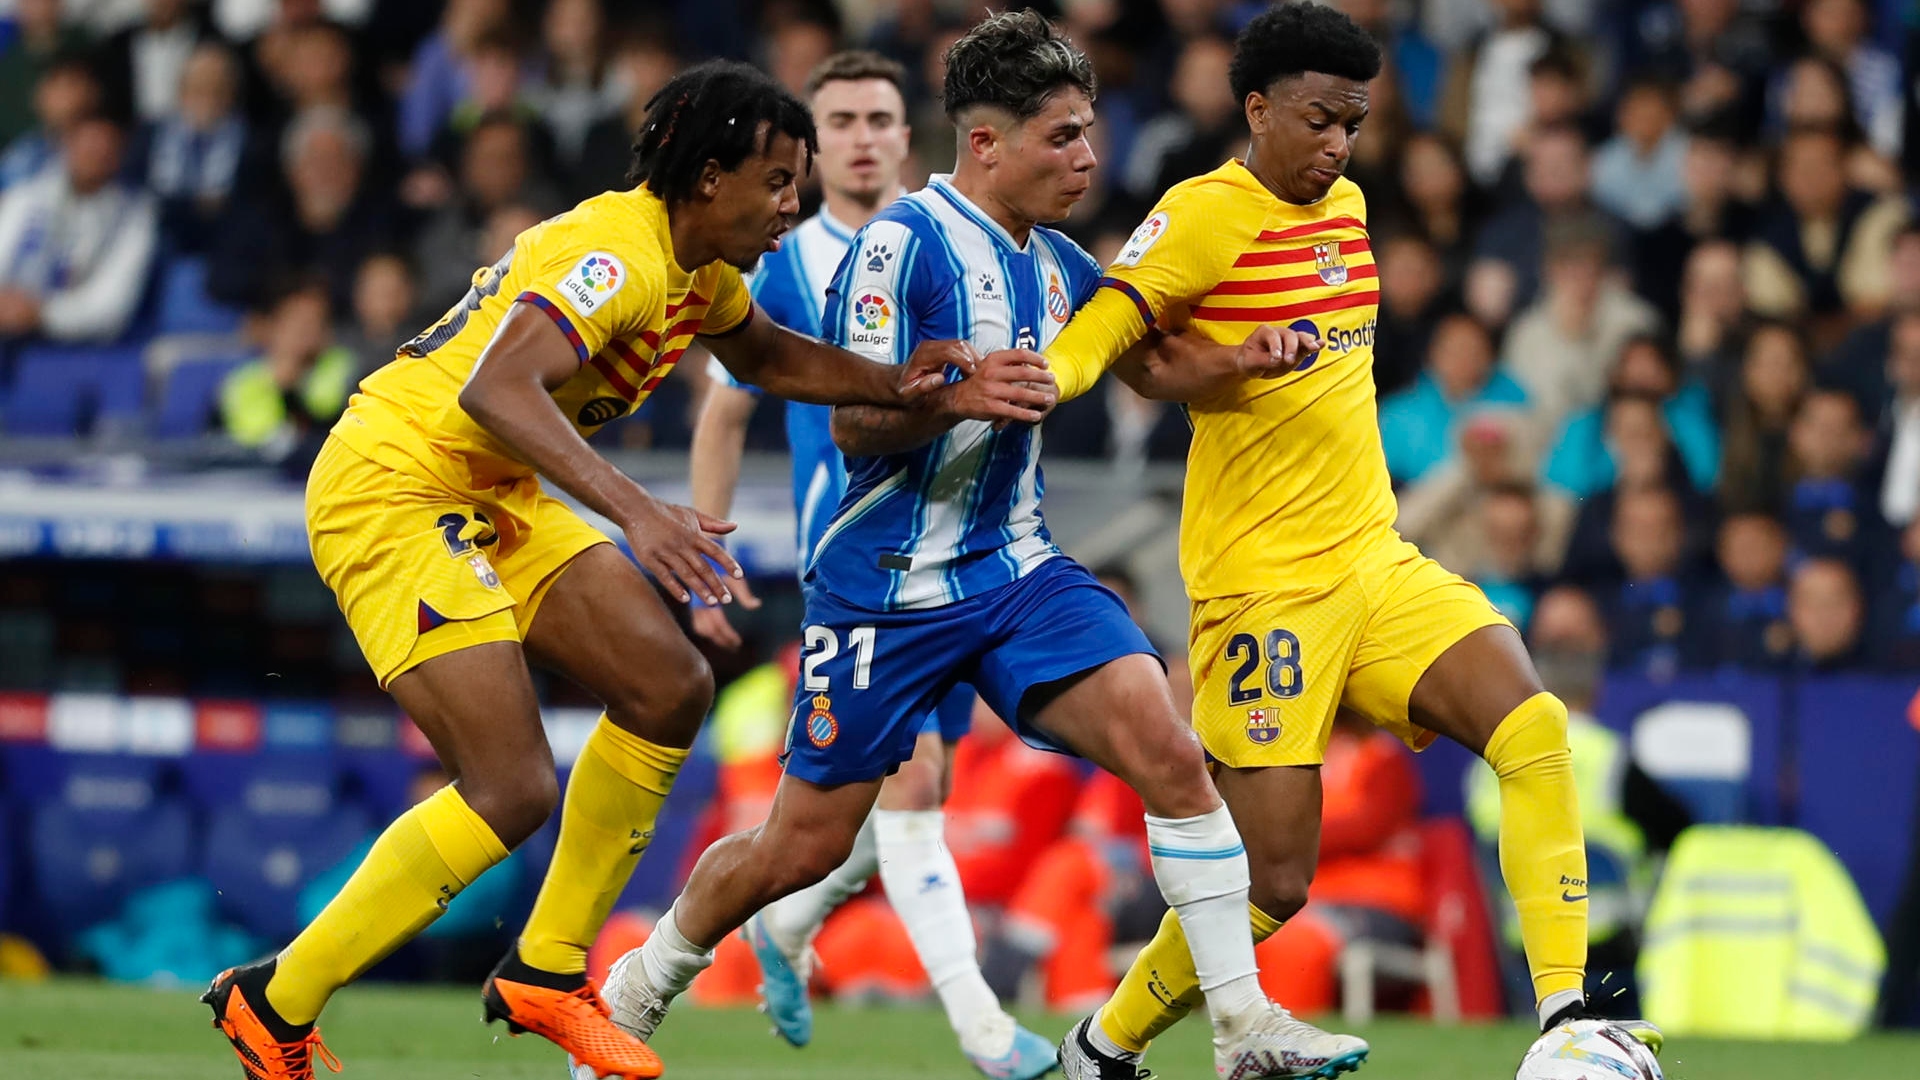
x: 1009, y: 386
x: 1188, y: 367
x: 719, y: 441
x: 510, y: 395
x: 799, y: 368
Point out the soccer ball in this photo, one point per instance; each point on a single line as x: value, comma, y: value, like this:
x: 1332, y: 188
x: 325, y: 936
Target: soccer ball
x: 1588, y: 1050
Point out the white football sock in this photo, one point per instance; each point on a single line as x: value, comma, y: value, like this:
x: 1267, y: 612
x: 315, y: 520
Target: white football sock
x: 670, y: 960
x: 923, y: 886
x: 1201, y: 868
x: 794, y: 919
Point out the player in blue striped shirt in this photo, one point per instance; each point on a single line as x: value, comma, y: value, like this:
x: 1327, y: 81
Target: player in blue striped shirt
x: 860, y: 111
x: 938, y: 567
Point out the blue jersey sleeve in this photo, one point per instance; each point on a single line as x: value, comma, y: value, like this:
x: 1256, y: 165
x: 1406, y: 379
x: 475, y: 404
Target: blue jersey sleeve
x: 893, y: 291
x: 1082, y: 270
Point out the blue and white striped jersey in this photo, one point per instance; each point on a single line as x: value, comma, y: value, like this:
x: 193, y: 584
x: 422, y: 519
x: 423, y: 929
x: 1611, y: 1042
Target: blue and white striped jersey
x: 790, y: 285
x: 961, y: 515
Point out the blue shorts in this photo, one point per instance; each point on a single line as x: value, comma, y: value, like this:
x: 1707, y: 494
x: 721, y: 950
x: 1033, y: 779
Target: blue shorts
x: 953, y: 717
x: 868, y: 679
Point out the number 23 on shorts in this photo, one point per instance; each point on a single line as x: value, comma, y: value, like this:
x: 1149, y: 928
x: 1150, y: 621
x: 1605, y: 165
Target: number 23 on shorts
x: 1280, y: 650
x: 820, y: 644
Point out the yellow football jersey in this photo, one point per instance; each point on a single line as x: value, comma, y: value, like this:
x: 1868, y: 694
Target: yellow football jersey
x: 1286, y: 479
x: 605, y: 273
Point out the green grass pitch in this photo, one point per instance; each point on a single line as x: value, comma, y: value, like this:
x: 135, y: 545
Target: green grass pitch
x: 73, y: 1028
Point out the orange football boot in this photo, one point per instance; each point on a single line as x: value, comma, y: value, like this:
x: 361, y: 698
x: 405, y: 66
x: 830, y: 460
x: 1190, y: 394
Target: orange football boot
x: 269, y: 1048
x: 572, y: 1017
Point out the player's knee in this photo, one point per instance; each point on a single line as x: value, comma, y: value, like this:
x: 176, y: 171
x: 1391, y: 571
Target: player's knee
x: 808, y: 862
x: 1279, y: 888
x: 1534, y: 732
x: 514, y: 801
x: 919, y: 785
x: 664, y: 702
x: 1171, y: 773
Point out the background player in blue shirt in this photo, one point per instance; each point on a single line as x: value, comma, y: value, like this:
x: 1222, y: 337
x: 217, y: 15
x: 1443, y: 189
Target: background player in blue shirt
x: 938, y: 568
x: 859, y: 109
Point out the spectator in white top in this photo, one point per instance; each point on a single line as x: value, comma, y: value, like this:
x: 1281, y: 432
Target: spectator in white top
x: 1488, y: 96
x: 1637, y: 174
x: 579, y: 84
x: 1562, y: 349
x: 75, y: 243
x: 140, y: 67
x: 1900, y: 488
x: 190, y: 157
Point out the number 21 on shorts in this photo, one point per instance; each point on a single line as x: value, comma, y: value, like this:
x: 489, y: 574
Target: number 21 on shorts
x: 820, y: 644
x: 1281, y: 651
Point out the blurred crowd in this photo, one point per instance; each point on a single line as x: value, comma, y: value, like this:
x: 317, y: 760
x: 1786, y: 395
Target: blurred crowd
x: 1650, y: 275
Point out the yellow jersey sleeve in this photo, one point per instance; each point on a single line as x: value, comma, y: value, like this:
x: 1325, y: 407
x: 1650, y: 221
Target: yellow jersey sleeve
x: 1177, y: 255
x: 732, y: 303
x: 594, y: 289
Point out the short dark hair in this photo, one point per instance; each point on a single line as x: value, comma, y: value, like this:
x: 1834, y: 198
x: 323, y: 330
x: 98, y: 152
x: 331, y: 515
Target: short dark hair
x: 1016, y: 61
x: 1293, y: 39
x: 853, y: 65
x: 713, y: 112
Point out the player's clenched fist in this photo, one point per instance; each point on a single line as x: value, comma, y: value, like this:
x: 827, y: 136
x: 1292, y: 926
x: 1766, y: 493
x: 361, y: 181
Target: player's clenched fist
x: 1272, y: 351
x: 1008, y: 386
x: 673, y: 543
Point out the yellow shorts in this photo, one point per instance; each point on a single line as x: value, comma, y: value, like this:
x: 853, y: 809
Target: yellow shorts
x: 1270, y: 669
x: 420, y: 569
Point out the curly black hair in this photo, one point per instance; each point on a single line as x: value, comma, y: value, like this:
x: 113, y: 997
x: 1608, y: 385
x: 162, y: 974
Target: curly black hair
x: 1293, y: 39
x: 713, y: 112
x: 1015, y: 60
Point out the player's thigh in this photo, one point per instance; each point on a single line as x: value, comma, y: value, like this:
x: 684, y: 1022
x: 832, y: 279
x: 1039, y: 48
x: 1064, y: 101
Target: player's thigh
x: 1436, y: 658
x: 868, y: 681
x: 1051, y: 633
x: 1268, y: 670
x: 1277, y: 811
x: 477, y: 707
x: 406, y: 558
x: 601, y: 623
x: 921, y: 782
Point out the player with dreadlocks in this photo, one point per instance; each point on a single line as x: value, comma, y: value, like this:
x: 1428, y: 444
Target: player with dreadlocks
x: 428, y: 518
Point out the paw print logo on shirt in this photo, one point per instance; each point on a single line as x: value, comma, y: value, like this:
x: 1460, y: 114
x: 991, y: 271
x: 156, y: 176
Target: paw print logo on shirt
x: 878, y: 256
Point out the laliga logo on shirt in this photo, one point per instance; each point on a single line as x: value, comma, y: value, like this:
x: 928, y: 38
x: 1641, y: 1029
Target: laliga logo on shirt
x: 600, y: 273
x: 872, y: 311
x: 871, y: 319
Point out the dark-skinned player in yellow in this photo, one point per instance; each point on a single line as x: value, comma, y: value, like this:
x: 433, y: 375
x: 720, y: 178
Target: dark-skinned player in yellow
x: 454, y: 568
x: 1304, y: 598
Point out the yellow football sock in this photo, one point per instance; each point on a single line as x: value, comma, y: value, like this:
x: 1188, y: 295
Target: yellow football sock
x: 1161, y: 987
x: 418, y: 864
x: 612, y: 799
x: 1543, y: 855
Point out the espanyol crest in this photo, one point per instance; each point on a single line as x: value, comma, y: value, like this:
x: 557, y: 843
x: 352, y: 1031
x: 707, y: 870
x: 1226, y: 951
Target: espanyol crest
x: 1327, y: 260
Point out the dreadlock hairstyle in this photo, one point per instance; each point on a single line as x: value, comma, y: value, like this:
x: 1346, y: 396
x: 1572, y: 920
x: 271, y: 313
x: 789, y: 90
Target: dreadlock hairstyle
x: 1293, y: 39
x: 712, y: 112
x: 1015, y: 60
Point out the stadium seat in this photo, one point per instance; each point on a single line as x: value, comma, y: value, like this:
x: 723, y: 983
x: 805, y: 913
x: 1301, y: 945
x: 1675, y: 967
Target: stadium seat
x: 60, y: 390
x: 185, y: 307
x: 191, y: 396
x: 111, y: 831
x: 288, y: 827
x: 215, y: 780
x: 1701, y: 752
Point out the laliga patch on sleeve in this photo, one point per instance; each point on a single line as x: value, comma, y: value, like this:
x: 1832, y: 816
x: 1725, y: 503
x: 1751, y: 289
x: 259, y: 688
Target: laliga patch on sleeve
x: 593, y: 281
x: 872, y: 322
x: 1142, y: 240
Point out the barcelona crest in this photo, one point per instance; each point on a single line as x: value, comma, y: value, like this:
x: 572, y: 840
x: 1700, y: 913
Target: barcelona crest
x: 822, y: 728
x: 1327, y: 260
x: 1262, y: 726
